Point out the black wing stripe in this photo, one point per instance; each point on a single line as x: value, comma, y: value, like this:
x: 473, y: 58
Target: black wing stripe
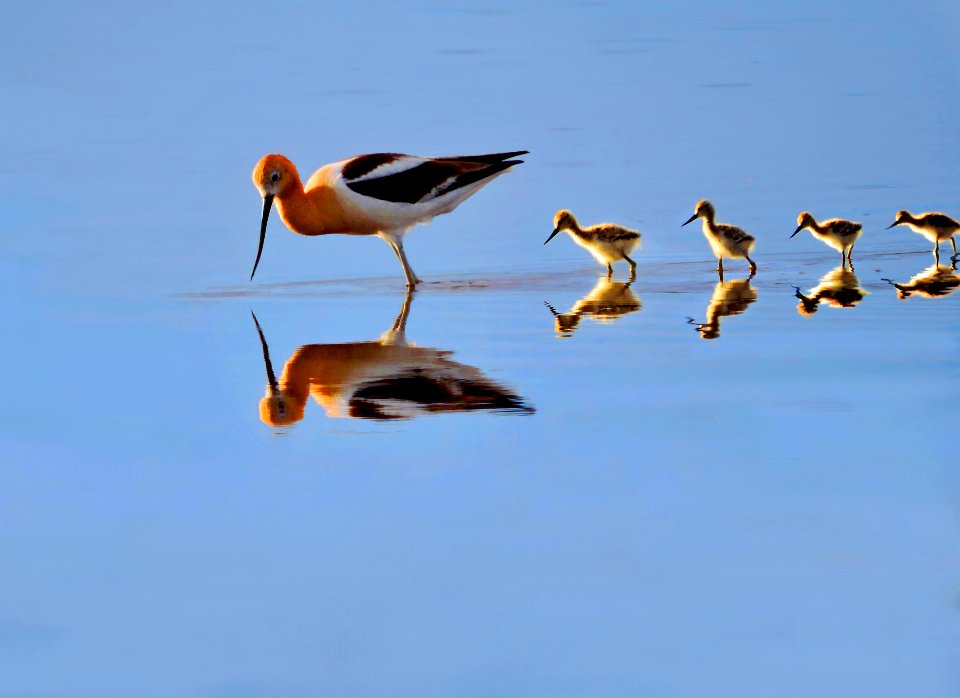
x: 365, y: 164
x: 471, y: 177
x: 411, y: 186
x: 408, y: 186
x: 490, y: 158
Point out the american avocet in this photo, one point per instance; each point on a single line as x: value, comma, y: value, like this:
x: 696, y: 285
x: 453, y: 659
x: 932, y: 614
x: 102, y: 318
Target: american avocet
x: 607, y: 242
x: 725, y: 240
x: 935, y: 227
x: 606, y: 301
x: 729, y: 298
x: 936, y: 281
x: 839, y: 288
x: 835, y: 232
x: 383, y: 379
x: 383, y: 194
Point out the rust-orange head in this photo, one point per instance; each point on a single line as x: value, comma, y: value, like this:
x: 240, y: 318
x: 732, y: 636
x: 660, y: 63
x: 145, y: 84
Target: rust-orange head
x: 273, y: 176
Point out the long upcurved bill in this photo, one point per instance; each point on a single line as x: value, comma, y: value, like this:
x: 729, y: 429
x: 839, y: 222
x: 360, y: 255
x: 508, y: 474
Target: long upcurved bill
x: 552, y: 235
x: 691, y: 219
x: 267, y: 204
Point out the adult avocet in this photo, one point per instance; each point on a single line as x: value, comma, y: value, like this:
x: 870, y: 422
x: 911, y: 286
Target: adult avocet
x: 383, y: 194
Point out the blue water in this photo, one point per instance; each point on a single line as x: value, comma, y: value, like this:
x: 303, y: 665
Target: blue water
x: 773, y: 511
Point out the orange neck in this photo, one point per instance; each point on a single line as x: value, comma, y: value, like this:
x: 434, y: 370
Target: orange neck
x: 316, y: 212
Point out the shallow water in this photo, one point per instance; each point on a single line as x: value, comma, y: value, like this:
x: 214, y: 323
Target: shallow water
x: 552, y: 484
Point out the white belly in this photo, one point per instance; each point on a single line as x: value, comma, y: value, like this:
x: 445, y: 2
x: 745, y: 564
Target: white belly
x: 932, y: 235
x: 724, y: 247
x: 839, y: 244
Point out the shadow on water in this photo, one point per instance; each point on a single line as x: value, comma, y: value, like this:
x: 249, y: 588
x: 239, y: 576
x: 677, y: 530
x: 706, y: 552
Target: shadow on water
x: 729, y: 298
x: 382, y: 380
x: 605, y: 302
x: 839, y: 288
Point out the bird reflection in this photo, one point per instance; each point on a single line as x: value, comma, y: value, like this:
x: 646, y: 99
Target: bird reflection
x: 382, y: 380
x: 839, y: 287
x: 935, y: 281
x: 729, y: 298
x: 605, y: 302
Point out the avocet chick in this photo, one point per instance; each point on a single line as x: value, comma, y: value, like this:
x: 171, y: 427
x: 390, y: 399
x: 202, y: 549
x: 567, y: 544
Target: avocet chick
x: 836, y: 233
x: 725, y: 240
x: 935, y: 227
x: 608, y: 243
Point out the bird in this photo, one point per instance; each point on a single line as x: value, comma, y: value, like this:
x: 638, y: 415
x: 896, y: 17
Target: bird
x: 835, y: 232
x: 389, y: 378
x: 606, y: 301
x: 382, y: 194
x: 935, y: 227
x: 725, y: 240
x: 607, y: 242
x: 729, y: 298
x: 839, y: 288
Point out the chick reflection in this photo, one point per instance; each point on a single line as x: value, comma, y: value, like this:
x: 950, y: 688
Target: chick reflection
x: 383, y: 379
x: 839, y: 287
x: 729, y: 298
x: 605, y: 302
x: 935, y: 281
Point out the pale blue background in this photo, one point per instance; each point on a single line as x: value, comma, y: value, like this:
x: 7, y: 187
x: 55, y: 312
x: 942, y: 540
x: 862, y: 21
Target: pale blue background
x: 771, y: 513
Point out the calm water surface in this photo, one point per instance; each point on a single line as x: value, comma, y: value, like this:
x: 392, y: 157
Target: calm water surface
x: 526, y: 479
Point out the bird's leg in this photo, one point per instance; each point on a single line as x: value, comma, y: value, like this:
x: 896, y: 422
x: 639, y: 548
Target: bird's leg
x: 633, y: 267
x: 936, y: 251
x: 396, y: 244
x: 720, y: 268
x: 753, y: 265
x: 609, y: 271
x: 953, y: 242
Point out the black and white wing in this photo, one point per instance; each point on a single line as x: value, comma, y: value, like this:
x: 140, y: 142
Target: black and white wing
x: 408, y: 179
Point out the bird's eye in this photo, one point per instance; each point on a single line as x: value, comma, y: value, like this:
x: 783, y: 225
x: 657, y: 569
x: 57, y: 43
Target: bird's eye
x: 274, y: 176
